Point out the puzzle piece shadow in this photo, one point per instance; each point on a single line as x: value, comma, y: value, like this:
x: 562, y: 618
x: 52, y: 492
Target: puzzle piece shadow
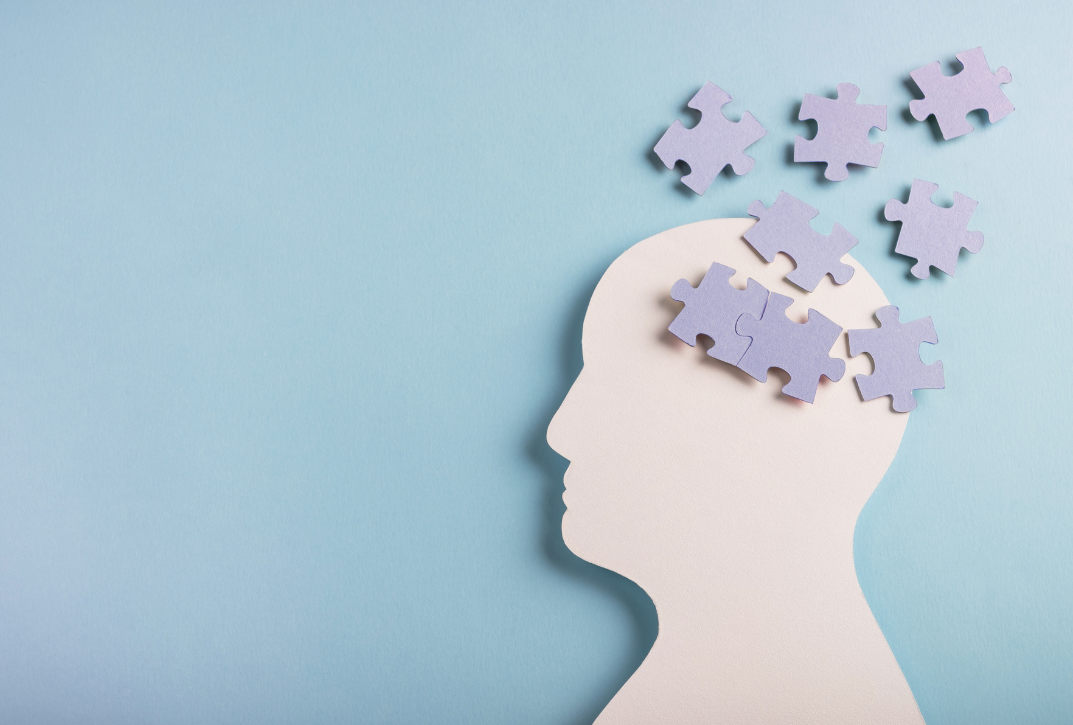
x: 777, y: 377
x: 644, y: 625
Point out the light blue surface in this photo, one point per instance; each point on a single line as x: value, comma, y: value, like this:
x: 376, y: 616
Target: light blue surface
x: 288, y: 295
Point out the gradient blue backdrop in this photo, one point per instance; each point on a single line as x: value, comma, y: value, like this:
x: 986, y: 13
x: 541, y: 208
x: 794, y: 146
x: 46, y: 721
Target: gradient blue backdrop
x: 289, y: 293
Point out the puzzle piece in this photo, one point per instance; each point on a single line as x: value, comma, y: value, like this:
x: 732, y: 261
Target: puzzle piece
x: 949, y: 98
x: 711, y: 144
x: 713, y: 308
x: 799, y: 349
x: 842, y: 132
x: 895, y: 350
x: 785, y: 228
x: 934, y: 235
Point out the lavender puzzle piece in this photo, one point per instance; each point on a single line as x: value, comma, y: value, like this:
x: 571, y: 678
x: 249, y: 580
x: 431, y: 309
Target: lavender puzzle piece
x: 895, y: 351
x: 842, y: 132
x: 799, y: 349
x: 785, y: 228
x: 932, y: 234
x: 713, y: 143
x: 950, y: 98
x: 713, y: 309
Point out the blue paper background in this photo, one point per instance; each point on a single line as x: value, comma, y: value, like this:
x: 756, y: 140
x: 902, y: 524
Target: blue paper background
x: 289, y: 292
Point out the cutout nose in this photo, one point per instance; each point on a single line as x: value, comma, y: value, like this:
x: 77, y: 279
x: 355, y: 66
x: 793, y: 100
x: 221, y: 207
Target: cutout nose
x: 561, y: 423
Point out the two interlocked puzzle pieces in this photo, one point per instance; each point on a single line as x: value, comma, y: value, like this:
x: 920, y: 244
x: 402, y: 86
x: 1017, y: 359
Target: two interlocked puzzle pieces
x: 750, y: 330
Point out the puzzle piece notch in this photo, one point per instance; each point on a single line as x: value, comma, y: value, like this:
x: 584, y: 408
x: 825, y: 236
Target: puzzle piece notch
x: 894, y: 347
x: 932, y: 234
x: 951, y: 98
x: 799, y: 349
x: 785, y: 228
x: 713, y: 143
x: 713, y: 309
x: 842, y: 132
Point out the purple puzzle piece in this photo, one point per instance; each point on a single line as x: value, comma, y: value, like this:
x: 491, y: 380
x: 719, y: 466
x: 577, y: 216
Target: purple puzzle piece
x: 711, y: 144
x: 842, y: 132
x: 799, y: 349
x: 895, y: 351
x: 933, y: 234
x: 713, y: 308
x: 949, y: 98
x: 785, y: 228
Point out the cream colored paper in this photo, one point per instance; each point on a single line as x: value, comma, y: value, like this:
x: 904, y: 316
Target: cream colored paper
x: 732, y: 505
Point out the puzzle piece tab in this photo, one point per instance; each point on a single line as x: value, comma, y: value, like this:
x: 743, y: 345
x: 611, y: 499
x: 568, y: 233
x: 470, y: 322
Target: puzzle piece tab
x: 799, y: 349
x: 713, y: 309
x: 932, y: 234
x: 842, y: 132
x: 895, y: 350
x: 713, y: 143
x: 785, y: 228
x: 950, y: 98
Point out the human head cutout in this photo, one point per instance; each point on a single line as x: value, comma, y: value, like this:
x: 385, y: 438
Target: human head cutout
x: 732, y: 505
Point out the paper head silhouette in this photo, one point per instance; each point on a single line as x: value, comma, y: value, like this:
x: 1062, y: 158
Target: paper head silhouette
x: 730, y: 504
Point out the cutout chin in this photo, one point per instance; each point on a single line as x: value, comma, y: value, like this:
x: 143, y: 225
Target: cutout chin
x: 574, y: 528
